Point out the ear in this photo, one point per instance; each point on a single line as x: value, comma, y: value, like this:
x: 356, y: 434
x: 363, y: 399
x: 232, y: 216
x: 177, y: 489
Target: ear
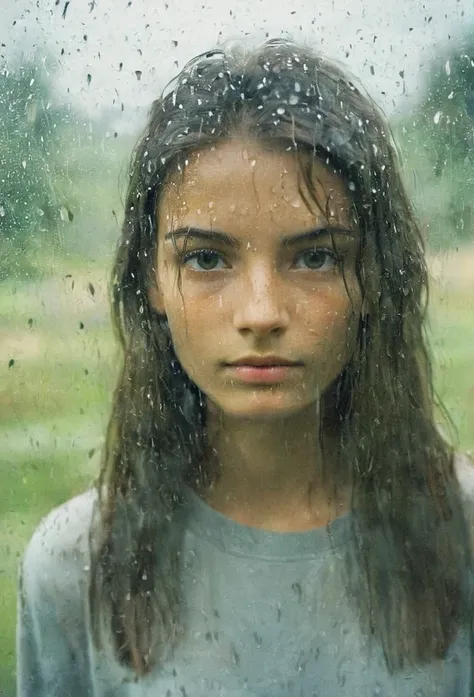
x: 155, y: 297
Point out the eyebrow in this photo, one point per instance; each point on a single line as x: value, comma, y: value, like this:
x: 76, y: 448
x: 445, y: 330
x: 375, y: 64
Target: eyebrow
x: 231, y: 241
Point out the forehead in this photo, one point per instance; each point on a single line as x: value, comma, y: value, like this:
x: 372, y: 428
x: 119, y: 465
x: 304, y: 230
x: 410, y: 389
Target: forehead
x: 238, y: 179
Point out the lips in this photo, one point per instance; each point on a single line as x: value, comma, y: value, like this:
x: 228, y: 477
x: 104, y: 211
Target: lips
x: 263, y: 371
x: 264, y: 362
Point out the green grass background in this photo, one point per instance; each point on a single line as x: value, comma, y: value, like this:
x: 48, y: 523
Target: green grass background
x: 54, y: 401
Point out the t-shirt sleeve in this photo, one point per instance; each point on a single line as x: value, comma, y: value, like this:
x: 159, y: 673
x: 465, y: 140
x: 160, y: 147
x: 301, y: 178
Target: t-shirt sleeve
x: 53, y: 656
x: 464, y: 469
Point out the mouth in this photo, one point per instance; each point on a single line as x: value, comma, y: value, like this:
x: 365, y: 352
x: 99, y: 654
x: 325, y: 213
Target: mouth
x: 264, y: 362
x: 263, y: 370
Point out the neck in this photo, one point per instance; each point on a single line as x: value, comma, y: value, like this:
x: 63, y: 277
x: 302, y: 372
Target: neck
x: 274, y: 474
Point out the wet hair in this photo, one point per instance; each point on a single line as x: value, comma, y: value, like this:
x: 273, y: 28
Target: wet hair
x: 410, y: 537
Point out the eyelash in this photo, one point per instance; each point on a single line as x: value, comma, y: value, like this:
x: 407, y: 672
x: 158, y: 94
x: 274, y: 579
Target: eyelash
x: 188, y: 256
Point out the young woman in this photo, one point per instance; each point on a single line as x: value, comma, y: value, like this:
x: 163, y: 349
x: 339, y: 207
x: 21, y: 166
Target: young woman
x: 278, y: 513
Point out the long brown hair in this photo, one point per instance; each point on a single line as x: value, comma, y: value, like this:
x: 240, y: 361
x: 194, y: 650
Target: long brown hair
x: 410, y: 536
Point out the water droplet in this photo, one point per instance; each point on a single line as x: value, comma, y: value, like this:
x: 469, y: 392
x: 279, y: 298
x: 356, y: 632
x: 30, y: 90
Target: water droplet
x: 2, y: 212
x: 437, y: 117
x: 450, y: 95
x: 280, y: 111
x: 447, y: 67
x: 235, y: 655
x: 342, y: 672
x: 294, y: 99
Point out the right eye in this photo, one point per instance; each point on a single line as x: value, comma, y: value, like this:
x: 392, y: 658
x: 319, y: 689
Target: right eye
x: 203, y: 260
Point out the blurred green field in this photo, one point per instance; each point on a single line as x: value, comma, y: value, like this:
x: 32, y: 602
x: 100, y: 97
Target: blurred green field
x: 54, y: 400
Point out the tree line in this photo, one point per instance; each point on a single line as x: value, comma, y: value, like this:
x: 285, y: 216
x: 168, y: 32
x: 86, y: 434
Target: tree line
x: 39, y: 187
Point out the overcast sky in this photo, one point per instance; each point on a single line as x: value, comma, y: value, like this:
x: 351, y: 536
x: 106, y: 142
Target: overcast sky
x: 376, y: 39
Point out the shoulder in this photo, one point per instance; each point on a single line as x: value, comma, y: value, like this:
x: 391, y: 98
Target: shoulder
x: 464, y: 470
x: 52, y: 605
x: 58, y: 551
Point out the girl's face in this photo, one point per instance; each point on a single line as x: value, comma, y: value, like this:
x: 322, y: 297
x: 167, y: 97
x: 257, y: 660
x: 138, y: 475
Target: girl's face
x: 246, y: 272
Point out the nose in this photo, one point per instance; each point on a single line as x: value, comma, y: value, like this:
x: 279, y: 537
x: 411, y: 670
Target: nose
x: 262, y: 304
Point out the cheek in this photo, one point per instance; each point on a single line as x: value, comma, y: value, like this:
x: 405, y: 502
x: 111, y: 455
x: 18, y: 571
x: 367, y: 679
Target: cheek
x: 328, y: 308
x: 188, y: 331
x: 333, y: 318
x: 181, y: 327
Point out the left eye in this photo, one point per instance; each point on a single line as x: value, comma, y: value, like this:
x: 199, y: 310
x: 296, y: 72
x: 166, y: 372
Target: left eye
x: 203, y: 260
x: 318, y: 259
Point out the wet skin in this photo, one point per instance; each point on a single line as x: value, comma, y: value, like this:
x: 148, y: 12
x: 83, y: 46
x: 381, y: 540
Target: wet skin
x: 252, y: 282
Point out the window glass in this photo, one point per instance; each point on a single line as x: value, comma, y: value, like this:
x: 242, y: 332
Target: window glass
x: 77, y: 80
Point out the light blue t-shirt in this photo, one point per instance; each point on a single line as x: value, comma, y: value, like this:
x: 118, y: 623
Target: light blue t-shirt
x: 266, y: 613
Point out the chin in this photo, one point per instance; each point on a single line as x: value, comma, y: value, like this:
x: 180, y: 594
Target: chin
x: 265, y: 407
